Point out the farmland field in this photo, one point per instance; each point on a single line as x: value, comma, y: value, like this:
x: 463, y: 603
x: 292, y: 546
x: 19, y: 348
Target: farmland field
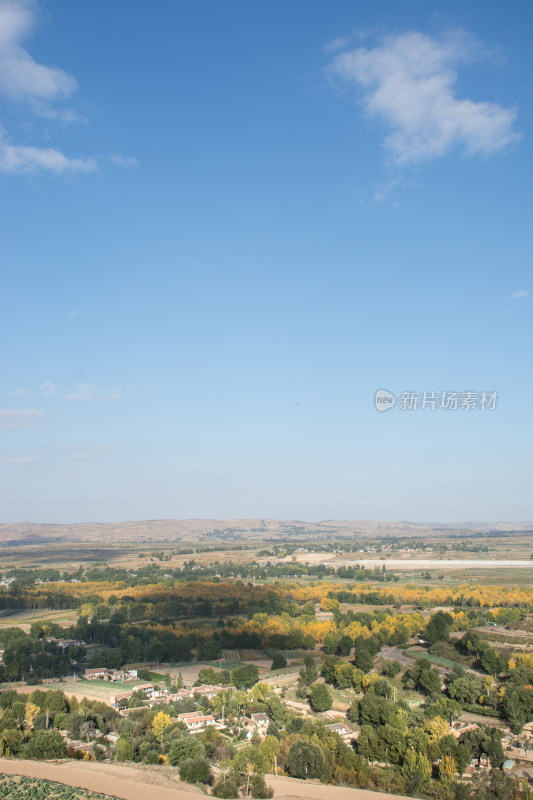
x: 23, y: 618
x: 17, y: 787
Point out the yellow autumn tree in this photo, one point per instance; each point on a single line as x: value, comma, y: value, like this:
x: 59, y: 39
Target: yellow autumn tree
x: 30, y: 712
x: 159, y: 725
x: 447, y: 769
x: 437, y: 729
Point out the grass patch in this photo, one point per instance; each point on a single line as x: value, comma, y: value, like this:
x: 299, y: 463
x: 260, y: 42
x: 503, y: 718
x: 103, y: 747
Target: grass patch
x: 438, y: 660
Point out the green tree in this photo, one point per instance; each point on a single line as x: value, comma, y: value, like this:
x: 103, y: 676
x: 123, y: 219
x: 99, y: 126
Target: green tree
x: 306, y: 760
x: 416, y: 769
x: 329, y: 644
x: 439, y: 627
x: 248, y: 763
x: 124, y: 749
x: 320, y: 698
x: 363, y: 658
x: 422, y: 677
x: 278, y: 661
x: 226, y: 788
x: 329, y: 668
x: 269, y: 749
x: 44, y: 744
x: 10, y: 742
x: 344, y: 676
x: 244, y: 677
x: 514, y: 711
x: 392, y: 668
x: 195, y: 770
x: 258, y: 787
x: 208, y: 675
x: 186, y: 747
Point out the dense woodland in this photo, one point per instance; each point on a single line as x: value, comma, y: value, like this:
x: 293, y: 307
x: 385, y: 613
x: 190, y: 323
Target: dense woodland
x: 402, y: 747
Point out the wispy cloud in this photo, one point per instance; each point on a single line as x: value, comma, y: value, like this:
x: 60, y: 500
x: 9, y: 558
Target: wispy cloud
x: 22, y: 158
x: 339, y: 43
x: 89, y: 391
x: 42, y: 89
x: 20, y: 417
x: 81, y: 456
x: 21, y: 462
x: 517, y: 295
x: 20, y: 391
x: 382, y: 191
x: 408, y: 82
x: 120, y: 161
x: 21, y: 77
x: 48, y: 389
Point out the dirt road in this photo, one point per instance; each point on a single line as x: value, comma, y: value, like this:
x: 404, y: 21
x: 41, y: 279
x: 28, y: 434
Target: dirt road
x: 138, y: 782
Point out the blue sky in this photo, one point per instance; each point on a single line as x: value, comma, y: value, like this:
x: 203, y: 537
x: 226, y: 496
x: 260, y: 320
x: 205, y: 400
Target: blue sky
x: 225, y: 226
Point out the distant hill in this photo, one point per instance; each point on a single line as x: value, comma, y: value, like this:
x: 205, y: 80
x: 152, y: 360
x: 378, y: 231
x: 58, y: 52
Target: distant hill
x: 232, y: 530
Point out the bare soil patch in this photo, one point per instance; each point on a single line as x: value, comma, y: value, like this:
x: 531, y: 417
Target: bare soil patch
x: 137, y: 781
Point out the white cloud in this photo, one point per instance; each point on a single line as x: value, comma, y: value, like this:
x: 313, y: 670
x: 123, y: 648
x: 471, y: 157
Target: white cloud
x: 20, y: 158
x: 517, y: 295
x: 381, y: 191
x: 107, y: 447
x: 21, y: 77
x: 20, y: 391
x: 81, y: 456
x: 19, y: 418
x: 19, y: 461
x: 120, y: 161
x: 48, y: 388
x: 41, y: 88
x: 408, y: 81
x: 336, y: 44
x: 89, y: 391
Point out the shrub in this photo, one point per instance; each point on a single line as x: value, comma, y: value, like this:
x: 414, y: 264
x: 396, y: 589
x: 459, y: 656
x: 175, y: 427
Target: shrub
x: 195, y: 770
x: 278, y: 661
x: 226, y: 789
x: 259, y: 789
x: 44, y: 744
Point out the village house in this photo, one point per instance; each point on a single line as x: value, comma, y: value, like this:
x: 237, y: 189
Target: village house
x: 209, y: 691
x: 260, y: 723
x: 115, y: 699
x: 196, y: 721
x: 102, y: 673
x: 181, y: 694
x: 64, y: 643
x: 96, y: 673
x: 117, y: 675
x: 459, y: 728
x: 342, y: 729
x: 149, y: 690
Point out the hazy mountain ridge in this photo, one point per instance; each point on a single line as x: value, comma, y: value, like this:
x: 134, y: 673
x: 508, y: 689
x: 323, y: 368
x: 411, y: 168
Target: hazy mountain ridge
x: 233, y: 529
